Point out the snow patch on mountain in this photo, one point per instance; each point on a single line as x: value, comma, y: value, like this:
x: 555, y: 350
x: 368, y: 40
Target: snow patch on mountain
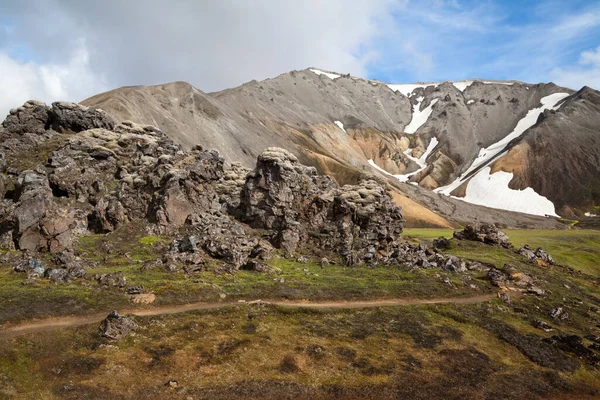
x: 462, y: 85
x: 492, y: 152
x: 407, y: 88
x: 327, y: 74
x: 491, y: 190
x: 498, y: 83
x: 419, y: 117
x: 340, y: 125
x: 421, y: 162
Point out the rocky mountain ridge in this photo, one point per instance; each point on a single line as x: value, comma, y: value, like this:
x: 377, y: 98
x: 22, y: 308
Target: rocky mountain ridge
x: 70, y: 170
x: 344, y: 125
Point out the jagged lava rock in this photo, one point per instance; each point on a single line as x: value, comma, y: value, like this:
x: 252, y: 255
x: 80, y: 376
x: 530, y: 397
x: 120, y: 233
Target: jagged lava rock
x: 101, y: 175
x: 116, y: 327
x: 31, y: 117
x: 73, y: 117
x: 486, y: 233
x: 300, y: 206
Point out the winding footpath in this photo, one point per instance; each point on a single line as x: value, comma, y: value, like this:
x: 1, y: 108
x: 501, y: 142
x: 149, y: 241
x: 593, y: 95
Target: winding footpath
x: 50, y: 324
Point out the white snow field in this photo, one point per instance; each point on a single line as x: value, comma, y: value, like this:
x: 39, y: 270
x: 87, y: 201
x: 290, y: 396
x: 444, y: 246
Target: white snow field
x: 327, y: 74
x: 499, y: 83
x: 407, y: 88
x: 462, y: 85
x: 340, y: 125
x: 491, y: 190
x: 489, y: 153
x: 419, y: 117
x: 420, y: 162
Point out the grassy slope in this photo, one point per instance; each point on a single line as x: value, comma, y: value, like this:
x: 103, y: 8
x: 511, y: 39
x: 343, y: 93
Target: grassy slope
x: 127, y: 253
x: 579, y: 249
x: 487, y: 350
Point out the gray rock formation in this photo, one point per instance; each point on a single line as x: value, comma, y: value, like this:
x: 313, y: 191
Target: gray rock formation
x: 485, y: 233
x: 302, y: 207
x: 99, y: 179
x: 116, y: 326
x: 31, y: 117
x: 73, y: 117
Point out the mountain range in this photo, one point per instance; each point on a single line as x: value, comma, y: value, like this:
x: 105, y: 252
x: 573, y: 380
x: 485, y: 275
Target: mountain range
x: 508, y: 152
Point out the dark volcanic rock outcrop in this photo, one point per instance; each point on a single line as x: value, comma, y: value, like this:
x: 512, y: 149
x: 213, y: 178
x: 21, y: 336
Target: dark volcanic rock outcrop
x: 301, y: 206
x: 486, y: 233
x: 66, y: 116
x: 83, y: 173
x: 116, y: 326
x: 31, y: 117
x: 36, y: 117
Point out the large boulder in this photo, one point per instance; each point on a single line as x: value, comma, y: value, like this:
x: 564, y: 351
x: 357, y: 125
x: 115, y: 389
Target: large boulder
x: 108, y: 215
x: 219, y: 237
x: 41, y: 223
x: 486, y: 233
x: 189, y: 188
x: 539, y: 256
x: 72, y: 117
x: 31, y: 117
x: 116, y: 327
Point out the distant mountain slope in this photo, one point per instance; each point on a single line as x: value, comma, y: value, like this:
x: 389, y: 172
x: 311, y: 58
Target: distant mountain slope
x: 187, y: 115
x: 430, y: 134
x: 559, y: 157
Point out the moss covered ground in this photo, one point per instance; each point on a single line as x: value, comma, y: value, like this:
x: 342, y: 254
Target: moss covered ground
x: 445, y: 351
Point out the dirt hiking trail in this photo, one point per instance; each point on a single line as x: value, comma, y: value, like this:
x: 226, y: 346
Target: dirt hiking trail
x: 49, y: 324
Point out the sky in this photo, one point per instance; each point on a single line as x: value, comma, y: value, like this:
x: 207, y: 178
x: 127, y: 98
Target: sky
x: 71, y: 49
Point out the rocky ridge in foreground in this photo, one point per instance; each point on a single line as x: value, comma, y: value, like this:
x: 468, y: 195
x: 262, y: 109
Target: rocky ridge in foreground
x: 71, y: 170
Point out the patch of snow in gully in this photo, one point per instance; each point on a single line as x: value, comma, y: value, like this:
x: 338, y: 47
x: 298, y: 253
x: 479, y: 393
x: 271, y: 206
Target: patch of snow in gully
x: 471, y: 101
x: 462, y: 85
x: 488, y: 154
x: 491, y: 190
x: 327, y: 74
x: 407, y: 88
x: 340, y: 125
x: 419, y: 117
x: 420, y: 162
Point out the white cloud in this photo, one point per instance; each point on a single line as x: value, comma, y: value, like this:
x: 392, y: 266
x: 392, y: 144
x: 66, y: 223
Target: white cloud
x: 211, y: 44
x: 587, y: 72
x: 81, y: 47
x: 71, y: 80
x: 591, y: 57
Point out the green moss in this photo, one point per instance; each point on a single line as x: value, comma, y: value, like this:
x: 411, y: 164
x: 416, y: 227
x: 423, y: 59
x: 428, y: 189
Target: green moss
x: 426, y: 233
x: 149, y: 240
x: 373, y: 352
x: 43, y: 298
x: 579, y: 249
x: 387, y: 349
